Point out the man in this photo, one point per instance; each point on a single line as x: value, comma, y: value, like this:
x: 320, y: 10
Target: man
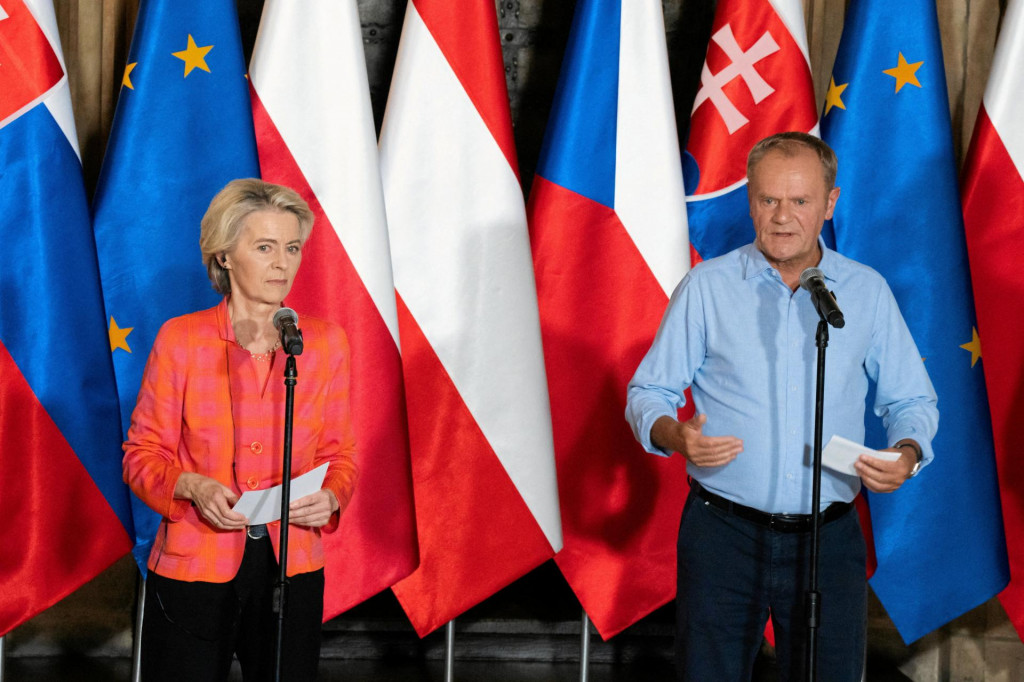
x: 739, y: 331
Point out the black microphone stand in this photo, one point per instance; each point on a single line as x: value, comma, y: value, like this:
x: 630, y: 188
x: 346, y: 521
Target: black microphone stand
x: 813, y: 597
x: 281, y: 587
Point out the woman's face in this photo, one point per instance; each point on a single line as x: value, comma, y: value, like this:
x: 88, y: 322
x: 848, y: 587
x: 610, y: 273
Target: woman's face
x: 263, y: 264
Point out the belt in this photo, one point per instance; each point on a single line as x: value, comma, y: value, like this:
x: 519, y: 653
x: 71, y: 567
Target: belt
x: 257, y: 532
x: 783, y: 523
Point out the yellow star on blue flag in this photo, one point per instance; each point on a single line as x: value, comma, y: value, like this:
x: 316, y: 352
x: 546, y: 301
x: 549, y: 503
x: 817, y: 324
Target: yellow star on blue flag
x: 893, y: 143
x: 194, y: 56
x: 175, y: 142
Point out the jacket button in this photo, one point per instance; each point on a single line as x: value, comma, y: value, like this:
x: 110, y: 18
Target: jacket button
x: 252, y: 482
x: 256, y: 447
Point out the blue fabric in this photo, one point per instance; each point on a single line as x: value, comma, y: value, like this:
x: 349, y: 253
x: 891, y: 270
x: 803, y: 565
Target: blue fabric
x: 744, y: 342
x: 584, y: 112
x: 176, y: 140
x: 733, y: 572
x: 900, y: 213
x: 51, y: 310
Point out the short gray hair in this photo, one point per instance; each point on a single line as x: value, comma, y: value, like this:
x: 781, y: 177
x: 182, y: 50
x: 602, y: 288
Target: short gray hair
x: 789, y: 144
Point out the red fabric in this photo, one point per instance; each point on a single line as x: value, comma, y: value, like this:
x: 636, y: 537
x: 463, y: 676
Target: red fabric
x: 28, y: 65
x: 375, y: 545
x: 476, y: 533
x: 475, y: 56
x: 790, y: 107
x: 600, y: 307
x: 993, y: 202
x: 199, y: 399
x: 52, y: 510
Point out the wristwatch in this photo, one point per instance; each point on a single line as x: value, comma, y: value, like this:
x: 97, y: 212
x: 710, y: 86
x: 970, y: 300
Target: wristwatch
x: 917, y: 452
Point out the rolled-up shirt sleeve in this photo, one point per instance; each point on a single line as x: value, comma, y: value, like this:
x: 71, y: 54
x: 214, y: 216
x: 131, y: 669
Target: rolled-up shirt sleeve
x: 904, y: 397
x: 658, y: 387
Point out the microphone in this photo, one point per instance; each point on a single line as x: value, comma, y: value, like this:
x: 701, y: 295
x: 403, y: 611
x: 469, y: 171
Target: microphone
x: 813, y: 280
x: 286, y: 321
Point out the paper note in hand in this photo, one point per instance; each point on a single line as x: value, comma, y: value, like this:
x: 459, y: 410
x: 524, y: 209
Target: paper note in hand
x: 841, y: 453
x: 264, y: 506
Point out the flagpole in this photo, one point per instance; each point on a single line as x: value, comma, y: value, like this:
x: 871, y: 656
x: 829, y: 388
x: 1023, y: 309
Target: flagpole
x: 140, y: 612
x: 584, y: 647
x: 3, y: 656
x: 449, y: 651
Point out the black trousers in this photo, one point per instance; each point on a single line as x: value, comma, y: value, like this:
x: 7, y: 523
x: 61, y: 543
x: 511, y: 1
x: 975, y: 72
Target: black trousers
x: 191, y: 630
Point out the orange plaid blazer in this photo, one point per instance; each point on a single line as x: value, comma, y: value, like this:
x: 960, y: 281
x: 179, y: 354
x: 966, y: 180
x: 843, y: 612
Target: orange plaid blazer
x: 200, y: 409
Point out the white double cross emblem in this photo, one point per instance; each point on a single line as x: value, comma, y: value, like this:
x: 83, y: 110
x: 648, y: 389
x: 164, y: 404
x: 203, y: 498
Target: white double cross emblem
x: 742, y: 65
x: 3, y: 14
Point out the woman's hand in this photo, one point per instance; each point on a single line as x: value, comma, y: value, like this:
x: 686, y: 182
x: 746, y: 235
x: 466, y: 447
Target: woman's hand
x: 212, y: 499
x: 313, y: 510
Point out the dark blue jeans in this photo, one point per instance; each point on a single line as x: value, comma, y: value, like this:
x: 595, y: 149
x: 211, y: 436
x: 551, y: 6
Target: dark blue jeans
x: 733, y: 574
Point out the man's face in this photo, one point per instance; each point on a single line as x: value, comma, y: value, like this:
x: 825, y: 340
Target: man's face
x: 788, y: 204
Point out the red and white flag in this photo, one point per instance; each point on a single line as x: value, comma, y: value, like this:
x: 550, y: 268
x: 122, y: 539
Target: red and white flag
x: 479, y: 420
x: 315, y: 133
x: 993, y: 202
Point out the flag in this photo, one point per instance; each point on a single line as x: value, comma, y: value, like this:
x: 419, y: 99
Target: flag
x: 479, y: 419
x: 314, y: 127
x: 993, y: 201
x: 608, y: 230
x: 182, y: 130
x: 65, y: 510
x: 756, y: 81
x: 887, y: 117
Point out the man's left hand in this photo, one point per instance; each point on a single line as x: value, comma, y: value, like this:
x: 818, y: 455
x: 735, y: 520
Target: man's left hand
x: 313, y: 510
x: 881, y: 476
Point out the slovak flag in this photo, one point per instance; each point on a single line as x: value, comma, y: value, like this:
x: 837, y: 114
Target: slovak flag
x: 608, y: 230
x: 314, y: 132
x: 479, y: 421
x: 993, y: 203
x: 65, y: 510
x: 756, y: 82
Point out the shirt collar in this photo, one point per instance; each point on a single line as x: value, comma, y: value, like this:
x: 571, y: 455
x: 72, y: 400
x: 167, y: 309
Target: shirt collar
x: 754, y: 263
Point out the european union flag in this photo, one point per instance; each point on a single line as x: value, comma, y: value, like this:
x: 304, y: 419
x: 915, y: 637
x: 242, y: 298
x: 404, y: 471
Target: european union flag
x: 182, y: 130
x: 939, y: 539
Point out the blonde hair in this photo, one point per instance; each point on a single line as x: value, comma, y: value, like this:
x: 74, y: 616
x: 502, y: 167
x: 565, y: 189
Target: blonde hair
x: 221, y: 227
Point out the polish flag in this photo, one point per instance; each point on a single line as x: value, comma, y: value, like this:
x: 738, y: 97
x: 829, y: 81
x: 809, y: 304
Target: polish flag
x: 993, y: 202
x: 315, y: 133
x: 609, y: 236
x: 479, y: 419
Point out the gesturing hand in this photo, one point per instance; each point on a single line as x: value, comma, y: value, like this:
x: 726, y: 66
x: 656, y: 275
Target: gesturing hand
x: 688, y: 439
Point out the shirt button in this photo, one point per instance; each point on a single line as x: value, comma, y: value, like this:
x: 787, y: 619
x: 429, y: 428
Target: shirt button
x: 789, y: 476
x: 252, y: 482
x: 792, y: 388
x: 256, y: 447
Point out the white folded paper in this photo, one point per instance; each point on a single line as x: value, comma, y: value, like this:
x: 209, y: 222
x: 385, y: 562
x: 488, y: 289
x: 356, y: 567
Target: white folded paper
x: 841, y: 453
x: 264, y: 506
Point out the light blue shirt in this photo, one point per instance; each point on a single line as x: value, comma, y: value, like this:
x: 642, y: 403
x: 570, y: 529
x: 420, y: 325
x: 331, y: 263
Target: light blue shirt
x: 744, y: 343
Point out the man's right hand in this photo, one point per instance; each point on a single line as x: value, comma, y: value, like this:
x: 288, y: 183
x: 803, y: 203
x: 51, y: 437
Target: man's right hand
x: 687, y: 438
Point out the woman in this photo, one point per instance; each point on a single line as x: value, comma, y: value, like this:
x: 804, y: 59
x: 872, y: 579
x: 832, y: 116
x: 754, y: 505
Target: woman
x: 208, y: 425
